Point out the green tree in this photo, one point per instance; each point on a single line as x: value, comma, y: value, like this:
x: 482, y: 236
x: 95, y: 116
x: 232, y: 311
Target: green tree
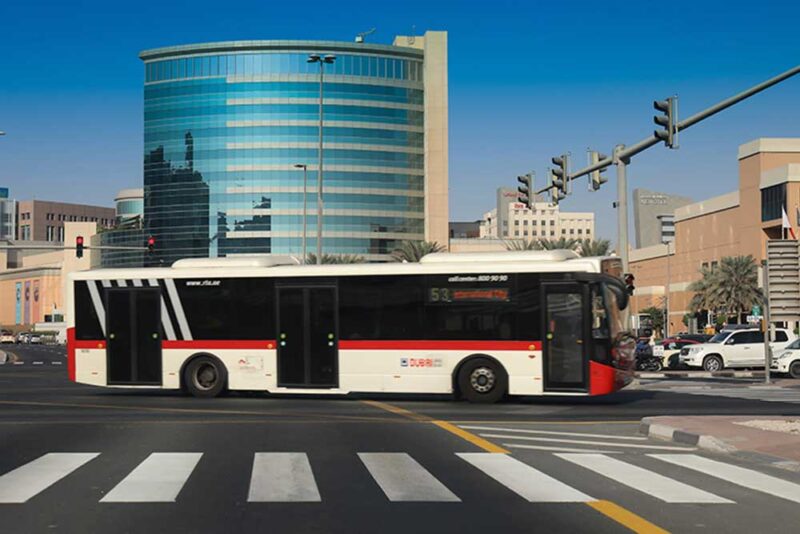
x: 562, y: 243
x: 523, y: 244
x: 657, y: 316
x: 730, y: 290
x: 736, y: 288
x: 336, y: 258
x: 413, y: 251
x: 594, y: 247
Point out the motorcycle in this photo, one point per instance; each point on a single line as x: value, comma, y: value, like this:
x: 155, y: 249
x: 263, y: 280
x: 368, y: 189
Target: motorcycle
x: 645, y: 360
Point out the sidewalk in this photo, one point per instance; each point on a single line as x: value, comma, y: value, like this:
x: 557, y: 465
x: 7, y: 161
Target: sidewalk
x: 773, y: 439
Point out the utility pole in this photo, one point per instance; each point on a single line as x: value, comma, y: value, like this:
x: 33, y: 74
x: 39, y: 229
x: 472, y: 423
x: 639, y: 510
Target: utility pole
x: 622, y: 206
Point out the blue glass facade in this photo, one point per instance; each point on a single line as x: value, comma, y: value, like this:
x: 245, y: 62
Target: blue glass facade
x: 225, y: 123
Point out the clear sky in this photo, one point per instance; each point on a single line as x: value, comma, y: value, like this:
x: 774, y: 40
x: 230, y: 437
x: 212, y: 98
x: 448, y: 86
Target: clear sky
x: 528, y: 80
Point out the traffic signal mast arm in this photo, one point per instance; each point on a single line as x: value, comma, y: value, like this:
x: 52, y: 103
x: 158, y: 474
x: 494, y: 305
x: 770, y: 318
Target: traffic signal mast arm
x: 628, y: 152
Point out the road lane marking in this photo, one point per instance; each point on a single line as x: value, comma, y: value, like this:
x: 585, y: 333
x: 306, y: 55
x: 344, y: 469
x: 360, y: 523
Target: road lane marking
x: 559, y: 449
x: 736, y: 475
x: 18, y: 363
x: 282, y: 477
x: 587, y: 442
x: 554, y: 433
x: 56, y: 363
x: 626, y: 517
x: 640, y: 479
x: 479, y: 442
x: 24, y: 482
x: 403, y: 479
x: 527, y: 482
x: 159, y: 478
x: 38, y: 363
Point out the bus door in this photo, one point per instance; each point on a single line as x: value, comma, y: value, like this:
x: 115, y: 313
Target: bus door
x: 133, y: 333
x: 308, y: 345
x: 567, y: 344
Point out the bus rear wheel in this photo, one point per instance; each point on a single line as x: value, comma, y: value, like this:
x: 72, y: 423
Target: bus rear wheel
x: 482, y: 380
x: 205, y: 376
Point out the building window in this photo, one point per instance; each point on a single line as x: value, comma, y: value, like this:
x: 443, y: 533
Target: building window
x: 704, y: 265
x: 571, y: 231
x: 516, y: 233
x: 525, y: 222
x: 61, y: 233
x: 516, y: 222
x: 552, y: 222
x: 714, y: 265
x: 50, y: 233
x: 580, y: 231
x: 773, y: 200
x: 533, y: 233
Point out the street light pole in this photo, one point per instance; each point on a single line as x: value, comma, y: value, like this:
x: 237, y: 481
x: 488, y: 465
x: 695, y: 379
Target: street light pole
x: 666, y: 296
x: 322, y: 60
x: 305, y: 204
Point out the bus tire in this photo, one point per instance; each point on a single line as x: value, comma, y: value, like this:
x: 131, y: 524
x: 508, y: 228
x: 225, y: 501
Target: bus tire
x: 205, y: 376
x: 482, y: 380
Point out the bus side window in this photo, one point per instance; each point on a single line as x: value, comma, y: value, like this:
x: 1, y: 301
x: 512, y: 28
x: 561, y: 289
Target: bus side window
x: 601, y: 333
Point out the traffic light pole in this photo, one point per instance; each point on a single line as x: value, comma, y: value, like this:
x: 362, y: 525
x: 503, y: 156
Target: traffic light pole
x: 622, y: 206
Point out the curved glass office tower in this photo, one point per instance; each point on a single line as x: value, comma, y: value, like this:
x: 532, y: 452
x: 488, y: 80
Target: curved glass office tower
x: 227, y: 123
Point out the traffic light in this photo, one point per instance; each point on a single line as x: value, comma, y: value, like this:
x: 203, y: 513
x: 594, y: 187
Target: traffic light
x: 595, y: 178
x: 525, y: 190
x: 559, y: 176
x: 79, y: 246
x: 629, y: 280
x: 151, y: 244
x: 668, y: 120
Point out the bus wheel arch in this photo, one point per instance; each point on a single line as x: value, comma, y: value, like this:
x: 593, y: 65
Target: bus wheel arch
x: 480, y: 378
x: 204, y: 375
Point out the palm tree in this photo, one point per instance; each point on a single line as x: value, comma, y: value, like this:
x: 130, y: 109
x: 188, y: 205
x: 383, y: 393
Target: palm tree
x: 562, y: 243
x: 594, y: 247
x: 413, y: 251
x: 523, y: 244
x: 335, y: 258
x: 736, y: 288
x: 703, y: 299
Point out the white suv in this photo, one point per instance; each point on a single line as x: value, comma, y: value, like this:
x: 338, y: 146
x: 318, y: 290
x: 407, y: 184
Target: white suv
x: 734, y: 348
x: 788, y: 360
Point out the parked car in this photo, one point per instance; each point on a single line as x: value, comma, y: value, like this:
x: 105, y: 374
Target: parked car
x: 672, y: 349
x: 734, y: 348
x: 700, y: 338
x: 788, y: 360
x: 35, y: 339
x: 6, y: 337
x: 22, y: 337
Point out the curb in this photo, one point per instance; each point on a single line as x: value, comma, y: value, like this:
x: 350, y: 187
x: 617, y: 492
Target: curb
x: 701, y: 374
x: 710, y: 443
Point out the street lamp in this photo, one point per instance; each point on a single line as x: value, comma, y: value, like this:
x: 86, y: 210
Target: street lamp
x: 305, y: 193
x: 322, y: 60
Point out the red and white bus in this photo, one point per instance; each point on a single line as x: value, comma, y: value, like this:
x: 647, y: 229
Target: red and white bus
x: 479, y: 325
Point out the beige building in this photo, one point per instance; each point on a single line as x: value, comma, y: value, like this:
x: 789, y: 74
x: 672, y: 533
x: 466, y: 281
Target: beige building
x: 32, y: 281
x: 513, y: 220
x: 42, y: 220
x: 732, y: 224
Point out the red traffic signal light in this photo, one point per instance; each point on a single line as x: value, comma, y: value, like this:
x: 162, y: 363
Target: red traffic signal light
x: 79, y: 246
x: 151, y: 244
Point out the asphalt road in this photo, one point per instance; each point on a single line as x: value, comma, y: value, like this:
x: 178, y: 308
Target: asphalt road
x: 81, y: 459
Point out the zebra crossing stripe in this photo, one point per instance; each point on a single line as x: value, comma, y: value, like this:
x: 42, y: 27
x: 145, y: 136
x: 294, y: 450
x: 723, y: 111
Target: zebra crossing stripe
x: 660, y: 487
x: 402, y: 479
x: 159, y: 478
x: 736, y: 475
x: 527, y: 482
x: 282, y: 477
x: 26, y: 481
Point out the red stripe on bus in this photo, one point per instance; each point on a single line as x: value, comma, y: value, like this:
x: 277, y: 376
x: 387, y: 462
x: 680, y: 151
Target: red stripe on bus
x: 89, y: 344
x: 71, y: 353
x: 219, y: 344
x: 439, y: 345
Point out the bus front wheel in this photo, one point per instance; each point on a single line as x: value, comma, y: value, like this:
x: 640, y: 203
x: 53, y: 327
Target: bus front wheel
x: 482, y: 380
x: 205, y: 376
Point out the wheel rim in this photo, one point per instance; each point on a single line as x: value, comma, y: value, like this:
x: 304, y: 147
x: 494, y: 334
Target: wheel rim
x: 712, y: 364
x: 482, y: 379
x: 205, y: 376
x: 794, y: 370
